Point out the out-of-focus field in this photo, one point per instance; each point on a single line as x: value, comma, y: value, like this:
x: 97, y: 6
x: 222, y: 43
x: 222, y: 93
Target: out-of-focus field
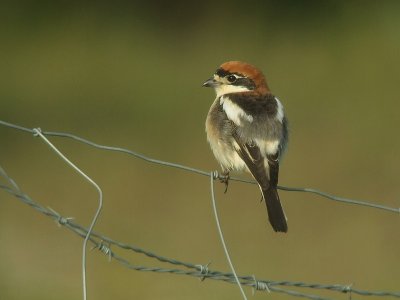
x: 131, y: 76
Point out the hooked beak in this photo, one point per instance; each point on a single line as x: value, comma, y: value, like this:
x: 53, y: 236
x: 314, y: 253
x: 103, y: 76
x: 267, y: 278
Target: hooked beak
x: 210, y: 82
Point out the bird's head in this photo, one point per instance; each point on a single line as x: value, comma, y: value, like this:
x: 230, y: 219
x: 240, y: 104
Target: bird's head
x: 237, y: 77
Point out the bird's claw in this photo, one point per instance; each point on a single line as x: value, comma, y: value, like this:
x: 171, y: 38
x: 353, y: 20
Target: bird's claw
x: 224, y: 178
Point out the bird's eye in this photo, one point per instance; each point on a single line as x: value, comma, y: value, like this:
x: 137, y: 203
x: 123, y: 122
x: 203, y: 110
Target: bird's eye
x: 231, y: 78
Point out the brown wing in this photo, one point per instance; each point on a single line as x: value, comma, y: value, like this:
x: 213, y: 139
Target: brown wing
x: 251, y: 155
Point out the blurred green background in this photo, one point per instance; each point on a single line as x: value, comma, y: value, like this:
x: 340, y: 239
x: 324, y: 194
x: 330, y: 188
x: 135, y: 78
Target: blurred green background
x: 130, y: 75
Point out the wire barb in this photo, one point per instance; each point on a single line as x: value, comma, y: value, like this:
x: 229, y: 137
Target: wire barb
x: 348, y: 289
x: 60, y: 220
x: 203, y: 270
x: 105, y: 248
x: 260, y: 286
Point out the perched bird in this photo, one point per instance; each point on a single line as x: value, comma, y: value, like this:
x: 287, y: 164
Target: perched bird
x: 247, y: 130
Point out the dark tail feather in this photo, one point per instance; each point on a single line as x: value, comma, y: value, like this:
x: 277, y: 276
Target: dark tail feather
x: 276, y: 215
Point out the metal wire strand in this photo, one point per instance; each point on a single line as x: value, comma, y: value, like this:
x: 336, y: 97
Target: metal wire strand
x: 198, y: 171
x: 37, y: 132
x: 221, y: 235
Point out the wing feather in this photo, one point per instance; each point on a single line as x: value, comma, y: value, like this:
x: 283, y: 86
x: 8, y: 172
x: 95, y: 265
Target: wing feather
x: 267, y: 179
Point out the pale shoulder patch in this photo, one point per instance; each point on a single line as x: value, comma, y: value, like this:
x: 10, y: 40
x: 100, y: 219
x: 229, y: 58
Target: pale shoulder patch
x: 280, y: 114
x: 234, y: 112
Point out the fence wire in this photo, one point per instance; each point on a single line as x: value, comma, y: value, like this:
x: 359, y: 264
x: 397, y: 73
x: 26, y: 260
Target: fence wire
x: 105, y: 244
x: 197, y: 171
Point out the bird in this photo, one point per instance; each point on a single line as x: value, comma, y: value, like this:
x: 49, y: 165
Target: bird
x: 247, y: 130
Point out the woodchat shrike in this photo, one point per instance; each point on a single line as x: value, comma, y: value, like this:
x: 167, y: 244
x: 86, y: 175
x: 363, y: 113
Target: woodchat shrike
x: 247, y: 130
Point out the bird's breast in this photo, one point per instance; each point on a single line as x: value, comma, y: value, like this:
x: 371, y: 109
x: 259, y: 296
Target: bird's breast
x: 234, y: 112
x: 219, y: 134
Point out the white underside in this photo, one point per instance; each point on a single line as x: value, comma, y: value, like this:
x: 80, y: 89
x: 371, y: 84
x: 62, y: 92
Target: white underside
x: 228, y: 157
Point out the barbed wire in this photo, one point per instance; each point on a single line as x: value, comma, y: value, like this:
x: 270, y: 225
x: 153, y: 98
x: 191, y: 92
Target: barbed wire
x: 104, y: 243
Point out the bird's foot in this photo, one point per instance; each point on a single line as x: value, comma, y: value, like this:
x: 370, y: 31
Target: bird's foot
x: 224, y: 178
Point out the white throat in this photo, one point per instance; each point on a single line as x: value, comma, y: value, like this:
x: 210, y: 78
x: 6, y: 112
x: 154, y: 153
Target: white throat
x: 224, y: 89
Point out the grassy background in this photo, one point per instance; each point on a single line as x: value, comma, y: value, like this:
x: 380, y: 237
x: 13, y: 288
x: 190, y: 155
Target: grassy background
x: 131, y: 75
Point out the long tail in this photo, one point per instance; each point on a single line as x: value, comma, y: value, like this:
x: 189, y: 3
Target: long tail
x: 267, y: 179
x: 276, y: 214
